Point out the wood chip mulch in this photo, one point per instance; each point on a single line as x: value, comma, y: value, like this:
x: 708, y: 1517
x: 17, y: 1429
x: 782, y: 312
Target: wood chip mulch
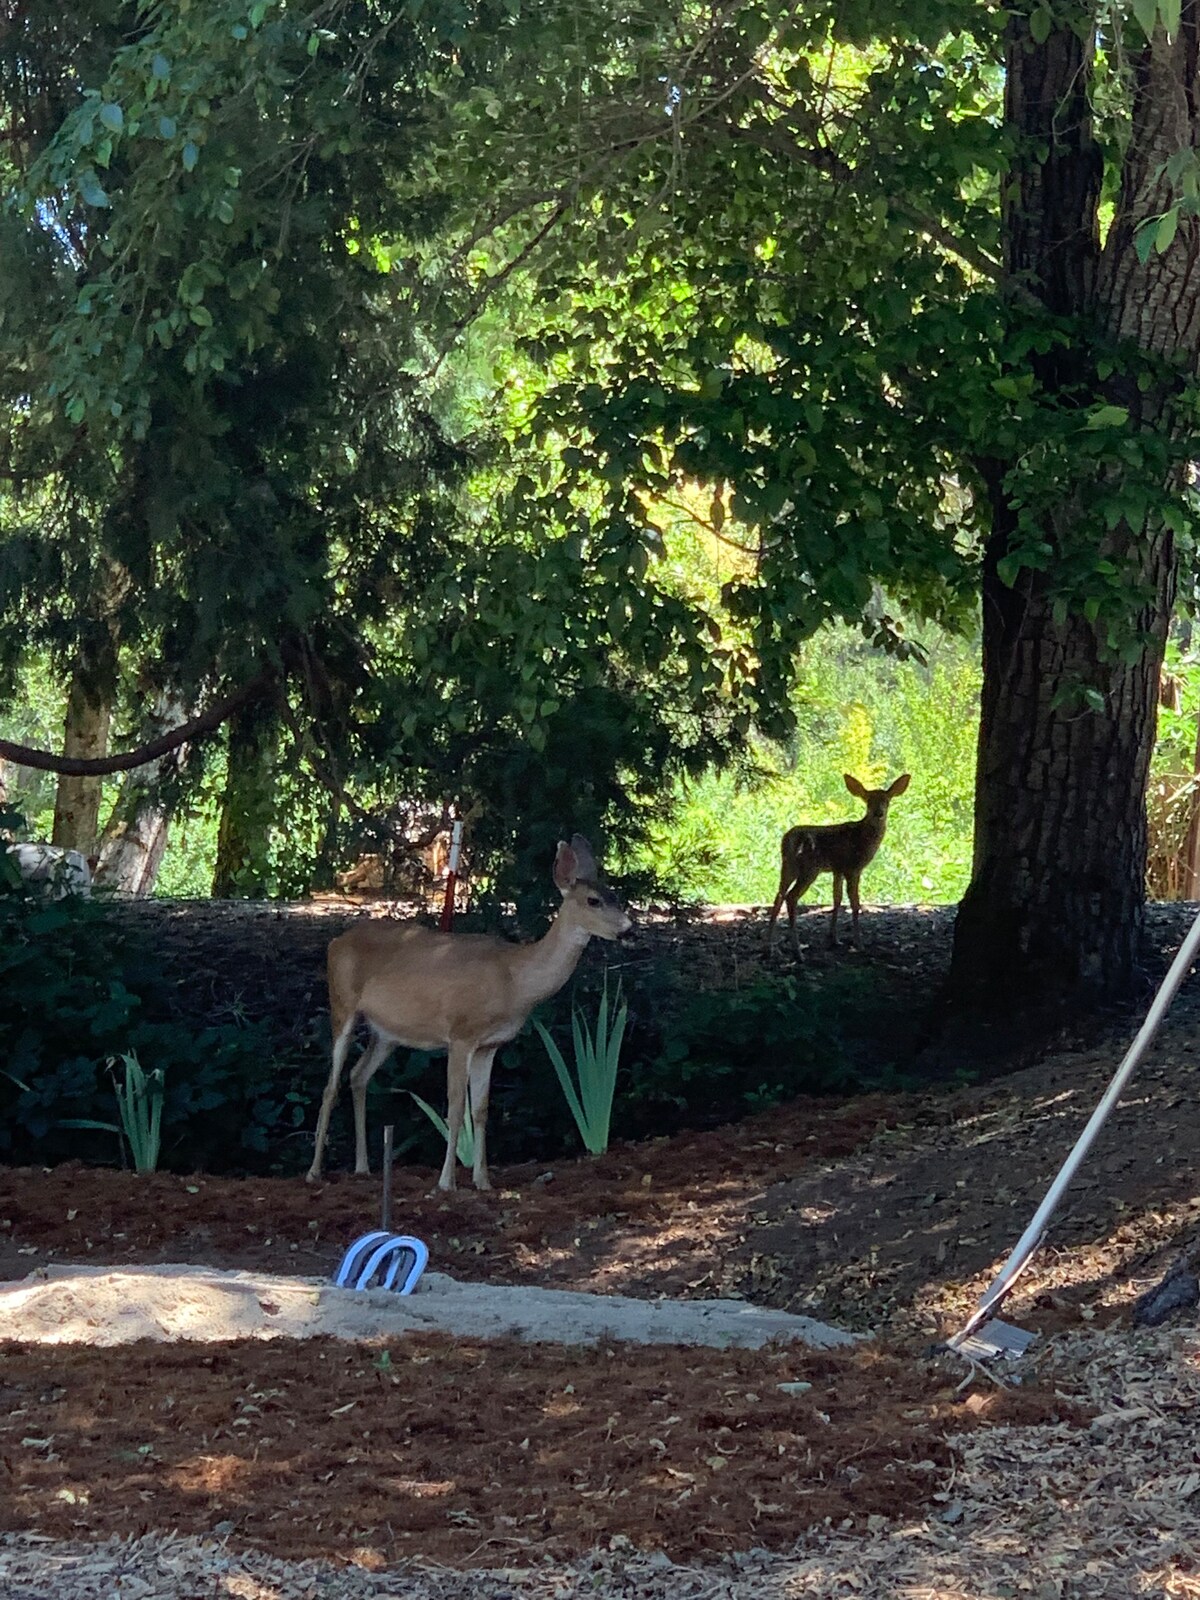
x: 468, y: 1450
x: 1055, y: 1510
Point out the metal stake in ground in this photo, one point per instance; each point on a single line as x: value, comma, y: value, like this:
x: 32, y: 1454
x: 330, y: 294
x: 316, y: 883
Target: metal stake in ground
x: 385, y: 1214
x: 999, y: 1338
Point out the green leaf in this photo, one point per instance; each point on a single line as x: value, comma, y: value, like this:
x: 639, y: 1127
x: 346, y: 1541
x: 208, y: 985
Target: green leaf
x: 160, y: 66
x: 190, y: 156
x: 90, y: 191
x: 1108, y: 417
x: 166, y: 127
x: 1165, y: 232
x: 1146, y: 12
x: 596, y: 1060
x: 1040, y: 25
x: 1143, y: 238
x: 1169, y: 11
x: 465, y: 1149
x: 112, y: 117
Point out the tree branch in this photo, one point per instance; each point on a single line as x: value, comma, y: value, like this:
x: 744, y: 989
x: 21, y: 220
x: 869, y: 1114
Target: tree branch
x: 779, y: 142
x: 102, y: 766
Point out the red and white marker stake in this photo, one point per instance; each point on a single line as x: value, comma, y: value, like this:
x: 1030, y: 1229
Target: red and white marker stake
x: 447, y: 916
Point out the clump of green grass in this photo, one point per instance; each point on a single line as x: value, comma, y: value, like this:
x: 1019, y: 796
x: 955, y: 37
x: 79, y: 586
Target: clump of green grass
x: 139, y: 1105
x: 597, y: 1056
x: 466, y: 1134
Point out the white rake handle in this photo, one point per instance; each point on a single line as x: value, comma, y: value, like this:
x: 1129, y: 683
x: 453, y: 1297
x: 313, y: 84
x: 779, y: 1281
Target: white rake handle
x: 1032, y: 1237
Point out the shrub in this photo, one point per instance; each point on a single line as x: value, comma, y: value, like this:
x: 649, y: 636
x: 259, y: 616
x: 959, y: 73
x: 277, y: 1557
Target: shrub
x: 76, y: 989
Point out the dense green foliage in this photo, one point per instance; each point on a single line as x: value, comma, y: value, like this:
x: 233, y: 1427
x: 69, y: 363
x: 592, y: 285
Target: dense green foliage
x: 233, y: 350
x: 77, y: 989
x: 856, y: 711
x: 716, y: 837
x: 800, y: 277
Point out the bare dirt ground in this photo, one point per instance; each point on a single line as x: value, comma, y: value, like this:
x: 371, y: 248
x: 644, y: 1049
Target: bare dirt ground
x: 885, y: 1214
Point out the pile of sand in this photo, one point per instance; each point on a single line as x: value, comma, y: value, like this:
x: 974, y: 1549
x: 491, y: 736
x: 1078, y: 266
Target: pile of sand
x: 114, y: 1305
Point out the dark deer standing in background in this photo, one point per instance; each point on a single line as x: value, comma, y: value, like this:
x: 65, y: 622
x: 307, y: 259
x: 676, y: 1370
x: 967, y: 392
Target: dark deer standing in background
x: 843, y: 848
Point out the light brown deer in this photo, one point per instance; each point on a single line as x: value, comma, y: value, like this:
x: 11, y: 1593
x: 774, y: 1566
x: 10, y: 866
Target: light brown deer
x: 465, y: 993
x: 843, y: 848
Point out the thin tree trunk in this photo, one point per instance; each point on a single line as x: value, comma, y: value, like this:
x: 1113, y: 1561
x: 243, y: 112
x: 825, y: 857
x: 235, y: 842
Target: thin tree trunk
x: 85, y: 734
x: 135, y: 836
x: 247, y: 807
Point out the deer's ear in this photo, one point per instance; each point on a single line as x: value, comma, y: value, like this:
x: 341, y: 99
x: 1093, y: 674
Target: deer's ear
x: 566, y: 867
x: 854, y: 786
x: 901, y: 783
x: 585, y: 860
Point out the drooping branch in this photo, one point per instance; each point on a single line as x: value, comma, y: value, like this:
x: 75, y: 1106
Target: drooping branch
x: 778, y: 141
x: 102, y: 766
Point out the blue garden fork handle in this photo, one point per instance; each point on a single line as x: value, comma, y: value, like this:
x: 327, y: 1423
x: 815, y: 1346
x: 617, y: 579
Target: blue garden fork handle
x: 383, y: 1253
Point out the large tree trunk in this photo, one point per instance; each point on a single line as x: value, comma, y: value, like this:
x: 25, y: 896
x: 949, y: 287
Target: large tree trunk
x: 247, y: 807
x: 1058, y: 881
x: 1054, y: 907
x: 85, y: 733
x: 135, y: 835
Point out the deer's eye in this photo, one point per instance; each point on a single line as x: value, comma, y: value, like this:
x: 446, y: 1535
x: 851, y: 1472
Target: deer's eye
x: 593, y: 899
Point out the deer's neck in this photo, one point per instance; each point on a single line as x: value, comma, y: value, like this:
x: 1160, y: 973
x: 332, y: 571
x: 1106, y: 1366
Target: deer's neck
x: 543, y: 967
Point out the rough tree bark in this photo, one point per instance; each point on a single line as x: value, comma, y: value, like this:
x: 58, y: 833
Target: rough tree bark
x: 1054, y: 907
x: 85, y: 736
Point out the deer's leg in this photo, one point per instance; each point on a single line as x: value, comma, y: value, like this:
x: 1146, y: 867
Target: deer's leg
x: 343, y: 1029
x: 801, y: 884
x: 785, y: 881
x: 852, y: 885
x: 837, y: 903
x: 774, y: 915
x: 365, y: 1068
x: 792, y: 897
x: 480, y: 1078
x: 458, y: 1067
